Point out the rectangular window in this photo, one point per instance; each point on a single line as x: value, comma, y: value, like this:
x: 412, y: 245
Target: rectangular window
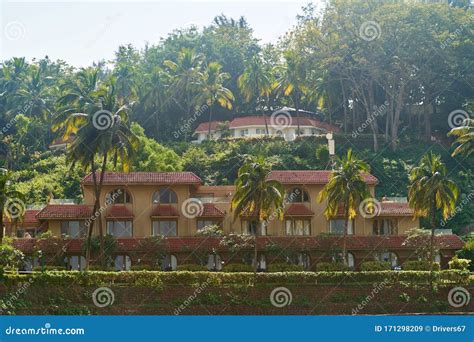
x: 337, y: 227
x: 203, y: 223
x: 249, y: 227
x: 244, y: 132
x: 298, y: 227
x: 120, y: 228
x: 73, y: 229
x: 165, y: 228
x: 385, y: 227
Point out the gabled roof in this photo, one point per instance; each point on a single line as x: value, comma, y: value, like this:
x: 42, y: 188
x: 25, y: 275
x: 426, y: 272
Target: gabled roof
x: 309, y: 177
x: 29, y: 218
x: 210, y: 210
x: 165, y: 210
x: 298, y: 209
x: 119, y: 212
x: 204, y: 126
x: 122, y: 178
x: 65, y: 211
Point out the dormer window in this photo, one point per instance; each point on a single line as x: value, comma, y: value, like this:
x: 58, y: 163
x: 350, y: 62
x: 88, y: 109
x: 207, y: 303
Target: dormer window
x: 297, y: 195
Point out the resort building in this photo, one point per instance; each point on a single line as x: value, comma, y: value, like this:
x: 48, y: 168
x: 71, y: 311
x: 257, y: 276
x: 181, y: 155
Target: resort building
x: 137, y: 206
x: 285, y: 126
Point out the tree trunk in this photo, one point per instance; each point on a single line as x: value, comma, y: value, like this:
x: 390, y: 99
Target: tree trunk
x: 1, y: 225
x: 432, y: 239
x: 344, y: 104
x: 98, y: 194
x: 297, y: 107
x: 210, y: 119
x: 396, y: 117
x: 255, y: 251
x: 92, y: 219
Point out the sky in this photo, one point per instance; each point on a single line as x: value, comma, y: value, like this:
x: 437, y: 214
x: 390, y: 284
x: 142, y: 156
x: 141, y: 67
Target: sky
x: 81, y: 32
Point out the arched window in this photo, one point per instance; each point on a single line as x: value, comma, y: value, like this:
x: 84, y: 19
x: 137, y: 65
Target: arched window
x: 165, y: 196
x: 122, y: 263
x: 169, y: 263
x: 214, y: 262
x: 388, y: 257
x: 297, y: 195
x: 118, y: 196
x: 75, y: 262
x: 301, y: 259
x: 350, y: 262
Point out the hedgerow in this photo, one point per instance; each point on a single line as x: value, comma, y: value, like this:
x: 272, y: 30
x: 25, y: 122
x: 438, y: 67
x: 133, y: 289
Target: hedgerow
x: 142, y: 278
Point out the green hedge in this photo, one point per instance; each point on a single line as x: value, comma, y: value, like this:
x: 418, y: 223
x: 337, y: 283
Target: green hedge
x: 375, y: 266
x: 331, y: 267
x: 420, y: 265
x: 192, y: 267
x: 459, y: 264
x: 284, y: 267
x: 145, y: 278
x: 237, y: 268
x: 48, y: 268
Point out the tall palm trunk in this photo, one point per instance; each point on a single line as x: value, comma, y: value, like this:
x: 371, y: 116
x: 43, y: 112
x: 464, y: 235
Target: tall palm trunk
x: 98, y: 194
x: 1, y: 225
x: 92, y: 218
x: 210, y: 119
x: 432, y: 239
x: 297, y: 107
x: 344, y: 238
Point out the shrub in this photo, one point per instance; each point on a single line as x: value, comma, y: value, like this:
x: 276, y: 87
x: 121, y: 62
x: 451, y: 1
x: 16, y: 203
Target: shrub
x: 10, y: 257
x: 459, y: 264
x: 100, y: 268
x: 375, y: 266
x: 331, y: 267
x: 420, y: 265
x: 238, y: 268
x: 284, y: 267
x: 192, y: 267
x: 144, y: 267
x: 467, y: 252
x: 48, y: 268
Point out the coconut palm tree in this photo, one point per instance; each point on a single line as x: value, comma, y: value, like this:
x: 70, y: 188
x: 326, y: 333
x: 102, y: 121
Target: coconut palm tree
x: 431, y: 190
x: 256, y: 83
x: 256, y: 195
x: 155, y: 98
x: 212, y: 89
x: 346, y: 188
x: 12, y: 202
x: 103, y: 133
x: 464, y: 138
x: 291, y: 81
x: 184, y: 74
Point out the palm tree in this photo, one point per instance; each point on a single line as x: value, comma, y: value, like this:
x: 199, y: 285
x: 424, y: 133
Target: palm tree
x: 184, y: 74
x: 256, y: 82
x: 292, y: 81
x: 256, y: 195
x: 12, y: 202
x: 103, y: 133
x: 431, y: 190
x: 211, y: 85
x: 346, y: 188
x: 464, y: 138
x: 156, y: 98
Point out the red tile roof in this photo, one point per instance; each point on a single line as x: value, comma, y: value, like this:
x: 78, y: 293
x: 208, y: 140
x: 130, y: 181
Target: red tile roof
x: 254, y: 120
x: 298, y: 209
x: 165, y: 210
x: 210, y: 210
x: 183, y: 244
x: 29, y: 218
x: 395, y: 209
x: 119, y: 211
x: 309, y: 176
x: 65, y: 211
x: 120, y: 178
x: 204, y: 126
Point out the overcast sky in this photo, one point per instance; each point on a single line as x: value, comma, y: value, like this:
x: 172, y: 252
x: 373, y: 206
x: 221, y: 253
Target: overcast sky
x: 81, y: 32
